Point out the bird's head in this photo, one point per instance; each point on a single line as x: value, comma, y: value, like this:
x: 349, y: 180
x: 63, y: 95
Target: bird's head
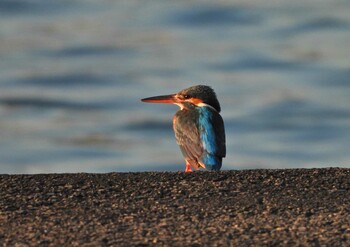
x: 199, y: 95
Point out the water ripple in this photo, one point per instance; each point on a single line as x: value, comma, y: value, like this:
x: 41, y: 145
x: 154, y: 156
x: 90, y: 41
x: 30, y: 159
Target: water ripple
x: 212, y: 15
x: 83, y: 51
x: 22, y: 7
x: 66, y: 80
x: 313, y: 25
x: 47, y: 103
x: 152, y: 125
x: 256, y: 62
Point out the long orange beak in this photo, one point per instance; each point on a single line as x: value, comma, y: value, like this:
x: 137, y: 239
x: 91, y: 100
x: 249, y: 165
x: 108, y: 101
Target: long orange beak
x: 167, y: 99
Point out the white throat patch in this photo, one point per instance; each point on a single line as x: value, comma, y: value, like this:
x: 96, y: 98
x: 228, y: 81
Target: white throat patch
x: 180, y: 105
x: 206, y: 105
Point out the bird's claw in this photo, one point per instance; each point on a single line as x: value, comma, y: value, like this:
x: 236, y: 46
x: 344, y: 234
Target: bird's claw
x: 188, y: 168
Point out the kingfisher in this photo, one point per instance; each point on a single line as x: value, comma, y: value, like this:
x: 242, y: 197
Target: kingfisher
x: 198, y: 126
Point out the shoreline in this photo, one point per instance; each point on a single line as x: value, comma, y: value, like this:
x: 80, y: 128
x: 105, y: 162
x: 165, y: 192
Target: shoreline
x: 231, y: 207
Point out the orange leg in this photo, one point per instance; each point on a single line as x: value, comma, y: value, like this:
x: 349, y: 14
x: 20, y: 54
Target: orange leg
x: 188, y: 168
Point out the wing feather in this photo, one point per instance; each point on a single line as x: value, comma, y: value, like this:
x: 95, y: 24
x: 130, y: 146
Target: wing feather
x: 212, y: 132
x: 187, y: 135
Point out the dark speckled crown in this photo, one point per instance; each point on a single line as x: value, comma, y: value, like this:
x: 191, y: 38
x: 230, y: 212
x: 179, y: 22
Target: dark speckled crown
x: 205, y: 93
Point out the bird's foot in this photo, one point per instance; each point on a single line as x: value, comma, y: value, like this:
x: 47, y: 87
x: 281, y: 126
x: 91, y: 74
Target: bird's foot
x: 188, y: 168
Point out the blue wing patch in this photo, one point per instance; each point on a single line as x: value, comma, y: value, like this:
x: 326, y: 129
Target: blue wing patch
x: 206, y: 130
x: 208, y: 137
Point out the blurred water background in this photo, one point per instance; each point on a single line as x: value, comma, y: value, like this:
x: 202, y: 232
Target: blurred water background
x: 73, y: 73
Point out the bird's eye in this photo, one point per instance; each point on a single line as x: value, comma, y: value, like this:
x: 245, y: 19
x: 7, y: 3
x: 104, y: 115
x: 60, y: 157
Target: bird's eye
x: 186, y: 96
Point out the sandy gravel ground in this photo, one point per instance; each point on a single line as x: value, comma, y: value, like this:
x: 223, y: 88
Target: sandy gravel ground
x: 307, y: 207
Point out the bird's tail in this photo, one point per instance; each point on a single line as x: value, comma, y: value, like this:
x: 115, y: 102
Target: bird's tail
x: 211, y: 162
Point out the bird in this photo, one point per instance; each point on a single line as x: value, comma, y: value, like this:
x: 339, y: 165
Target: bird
x: 198, y: 126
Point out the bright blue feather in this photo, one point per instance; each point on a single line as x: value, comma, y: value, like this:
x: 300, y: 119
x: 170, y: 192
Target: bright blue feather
x: 208, y: 139
x: 206, y: 130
